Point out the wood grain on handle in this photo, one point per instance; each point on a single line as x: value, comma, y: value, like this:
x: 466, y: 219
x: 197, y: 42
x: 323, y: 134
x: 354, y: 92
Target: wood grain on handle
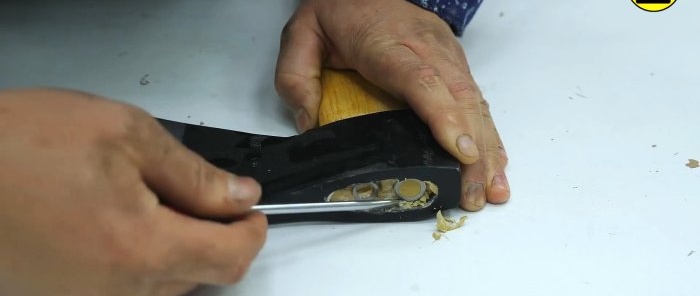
x: 346, y: 94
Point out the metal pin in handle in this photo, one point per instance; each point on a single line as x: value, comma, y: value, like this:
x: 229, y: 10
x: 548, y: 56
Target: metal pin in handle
x: 322, y: 207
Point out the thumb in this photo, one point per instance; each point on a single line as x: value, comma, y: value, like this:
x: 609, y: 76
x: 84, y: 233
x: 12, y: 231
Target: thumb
x: 298, y: 73
x: 185, y: 181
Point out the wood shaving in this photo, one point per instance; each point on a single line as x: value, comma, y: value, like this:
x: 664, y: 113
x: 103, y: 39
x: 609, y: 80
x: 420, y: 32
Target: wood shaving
x: 693, y: 163
x: 432, y: 187
x: 414, y: 204
x: 445, y: 224
x: 386, y: 188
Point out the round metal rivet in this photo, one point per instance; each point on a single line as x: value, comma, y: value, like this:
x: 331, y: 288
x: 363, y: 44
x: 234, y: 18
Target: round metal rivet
x: 364, y: 191
x: 410, y: 189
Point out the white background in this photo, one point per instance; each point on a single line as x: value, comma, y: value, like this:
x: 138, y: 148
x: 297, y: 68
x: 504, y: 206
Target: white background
x: 596, y: 101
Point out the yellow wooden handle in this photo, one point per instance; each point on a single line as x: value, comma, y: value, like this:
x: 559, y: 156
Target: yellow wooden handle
x: 347, y: 94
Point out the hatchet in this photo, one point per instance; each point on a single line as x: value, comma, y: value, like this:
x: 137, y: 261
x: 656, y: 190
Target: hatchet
x: 370, y: 159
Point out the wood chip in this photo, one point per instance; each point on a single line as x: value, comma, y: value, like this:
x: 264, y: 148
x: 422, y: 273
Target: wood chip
x: 445, y: 224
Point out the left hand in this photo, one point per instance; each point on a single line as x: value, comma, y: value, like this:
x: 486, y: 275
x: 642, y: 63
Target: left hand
x: 97, y: 198
x: 410, y: 53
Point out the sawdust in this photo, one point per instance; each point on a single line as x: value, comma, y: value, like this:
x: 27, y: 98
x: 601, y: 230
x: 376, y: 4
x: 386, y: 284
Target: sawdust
x: 693, y: 163
x: 445, y: 224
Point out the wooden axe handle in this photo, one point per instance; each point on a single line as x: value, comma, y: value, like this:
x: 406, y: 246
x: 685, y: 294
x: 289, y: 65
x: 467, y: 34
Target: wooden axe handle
x: 346, y: 94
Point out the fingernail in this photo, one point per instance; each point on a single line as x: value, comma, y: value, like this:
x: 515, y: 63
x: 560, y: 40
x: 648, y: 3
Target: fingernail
x: 301, y: 117
x: 237, y: 189
x: 475, y: 195
x: 466, y: 146
x: 499, y: 181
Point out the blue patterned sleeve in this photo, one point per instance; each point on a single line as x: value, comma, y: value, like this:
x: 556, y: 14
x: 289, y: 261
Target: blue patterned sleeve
x: 457, y: 13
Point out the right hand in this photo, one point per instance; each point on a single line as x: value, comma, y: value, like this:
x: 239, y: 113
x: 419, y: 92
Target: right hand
x: 84, y: 184
x: 412, y: 54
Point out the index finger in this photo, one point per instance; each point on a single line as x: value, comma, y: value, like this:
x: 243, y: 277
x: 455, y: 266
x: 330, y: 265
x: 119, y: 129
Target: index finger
x: 184, y: 180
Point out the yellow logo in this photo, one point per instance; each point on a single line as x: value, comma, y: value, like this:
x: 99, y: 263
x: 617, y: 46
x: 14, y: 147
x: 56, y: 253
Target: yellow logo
x: 653, y: 5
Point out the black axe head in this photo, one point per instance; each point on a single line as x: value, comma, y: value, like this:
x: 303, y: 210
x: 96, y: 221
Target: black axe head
x: 308, y: 168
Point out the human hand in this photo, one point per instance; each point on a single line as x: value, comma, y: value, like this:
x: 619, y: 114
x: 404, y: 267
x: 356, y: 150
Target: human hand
x: 83, y: 183
x: 410, y: 53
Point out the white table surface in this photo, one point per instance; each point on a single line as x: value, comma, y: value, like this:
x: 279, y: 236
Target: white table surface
x: 596, y: 101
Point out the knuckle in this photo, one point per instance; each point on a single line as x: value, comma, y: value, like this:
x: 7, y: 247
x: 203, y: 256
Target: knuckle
x: 474, y: 107
x: 288, y: 30
x: 297, y: 22
x: 292, y: 88
x: 464, y: 90
x: 447, y: 118
x: 442, y: 117
x: 122, y: 255
x: 484, y: 109
x: 470, y: 107
x: 429, y: 31
x: 126, y: 129
x: 123, y: 120
x: 235, y: 272
x: 502, y: 154
x: 284, y: 81
x: 426, y: 75
x: 485, y: 103
x: 201, y: 179
x: 426, y: 34
x: 113, y: 137
x: 496, y: 156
